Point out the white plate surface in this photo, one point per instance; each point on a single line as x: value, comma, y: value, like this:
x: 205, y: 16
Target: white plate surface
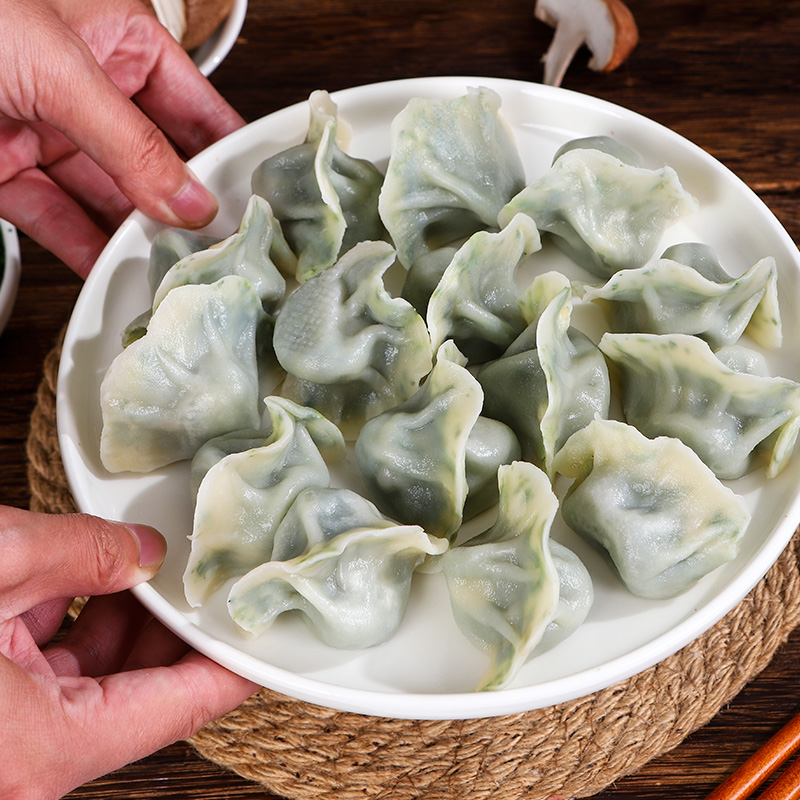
x: 428, y: 670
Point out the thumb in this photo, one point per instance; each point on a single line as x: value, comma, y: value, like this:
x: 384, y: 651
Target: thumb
x: 48, y: 556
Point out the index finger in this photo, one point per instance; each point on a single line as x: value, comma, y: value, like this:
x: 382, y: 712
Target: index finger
x: 81, y: 101
x: 185, y: 104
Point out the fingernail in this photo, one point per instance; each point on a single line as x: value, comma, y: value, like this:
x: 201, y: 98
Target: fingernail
x: 152, y: 546
x: 194, y: 204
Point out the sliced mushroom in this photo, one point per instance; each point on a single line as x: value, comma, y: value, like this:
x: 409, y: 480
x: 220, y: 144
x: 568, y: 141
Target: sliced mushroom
x: 606, y: 27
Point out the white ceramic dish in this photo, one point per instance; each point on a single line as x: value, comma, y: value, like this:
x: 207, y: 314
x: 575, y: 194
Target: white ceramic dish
x: 9, y: 272
x: 210, y: 54
x: 428, y: 669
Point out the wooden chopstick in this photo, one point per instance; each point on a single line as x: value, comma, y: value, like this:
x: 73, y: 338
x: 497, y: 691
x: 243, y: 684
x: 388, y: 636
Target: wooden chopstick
x: 786, y: 786
x: 762, y: 764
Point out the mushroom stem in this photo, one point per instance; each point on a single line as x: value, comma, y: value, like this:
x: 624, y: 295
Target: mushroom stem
x: 606, y: 27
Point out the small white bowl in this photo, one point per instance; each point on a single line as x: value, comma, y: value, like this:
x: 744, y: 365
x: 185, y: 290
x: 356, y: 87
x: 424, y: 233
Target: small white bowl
x: 9, y: 271
x: 209, y: 55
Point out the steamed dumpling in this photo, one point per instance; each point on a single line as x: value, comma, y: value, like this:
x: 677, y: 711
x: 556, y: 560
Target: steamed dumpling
x: 552, y: 380
x: 660, y: 514
x: 503, y: 584
x: 192, y: 376
x: 250, y: 253
x: 668, y: 296
x: 325, y: 200
x: 673, y: 385
x: 242, y: 498
x: 319, y: 514
x: 434, y: 459
x: 453, y: 165
x: 476, y: 301
x: 575, y: 598
x: 168, y: 247
x: 351, y: 590
x: 490, y: 444
x: 605, y: 144
x: 349, y: 348
x: 413, y: 457
x: 605, y: 214
x: 743, y: 359
x: 423, y: 277
x: 764, y: 323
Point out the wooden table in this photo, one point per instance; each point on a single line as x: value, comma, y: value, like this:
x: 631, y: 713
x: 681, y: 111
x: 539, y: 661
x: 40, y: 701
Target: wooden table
x: 723, y: 74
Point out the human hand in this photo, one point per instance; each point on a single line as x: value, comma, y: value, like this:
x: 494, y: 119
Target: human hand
x: 76, y: 154
x: 118, y: 686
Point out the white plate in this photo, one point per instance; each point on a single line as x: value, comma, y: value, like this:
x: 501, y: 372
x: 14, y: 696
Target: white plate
x: 428, y: 669
x: 209, y: 55
x: 9, y: 274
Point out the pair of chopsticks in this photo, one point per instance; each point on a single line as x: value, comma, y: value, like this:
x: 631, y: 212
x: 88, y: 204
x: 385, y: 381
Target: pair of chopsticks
x: 763, y: 764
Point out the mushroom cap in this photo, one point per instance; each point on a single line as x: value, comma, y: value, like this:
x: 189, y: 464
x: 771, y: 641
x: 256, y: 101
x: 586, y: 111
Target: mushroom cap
x: 606, y: 27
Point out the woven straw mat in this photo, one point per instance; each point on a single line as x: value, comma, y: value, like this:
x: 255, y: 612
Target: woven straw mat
x: 574, y: 749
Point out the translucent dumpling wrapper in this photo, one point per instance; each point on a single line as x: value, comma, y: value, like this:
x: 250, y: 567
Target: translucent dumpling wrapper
x: 253, y: 253
x: 423, y: 277
x: 673, y: 385
x: 453, y: 165
x: 320, y: 514
x: 667, y: 296
x: 651, y: 505
x: 193, y: 375
x: 242, y: 498
x: 476, y: 303
x: 490, y: 444
x: 351, y: 590
x: 349, y: 348
x: 743, y: 359
x: 504, y: 584
x: 605, y: 214
x: 326, y: 436
x: 169, y: 246
x: 605, y: 144
x: 764, y: 325
x: 575, y: 598
x: 552, y: 380
x: 413, y: 456
x: 325, y: 200
x: 214, y: 450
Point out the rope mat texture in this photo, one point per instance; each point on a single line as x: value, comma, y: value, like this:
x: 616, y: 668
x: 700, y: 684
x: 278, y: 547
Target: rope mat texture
x: 574, y: 749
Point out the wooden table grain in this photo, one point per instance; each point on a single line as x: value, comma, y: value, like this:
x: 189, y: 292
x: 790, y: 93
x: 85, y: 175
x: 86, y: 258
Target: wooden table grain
x: 723, y: 74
